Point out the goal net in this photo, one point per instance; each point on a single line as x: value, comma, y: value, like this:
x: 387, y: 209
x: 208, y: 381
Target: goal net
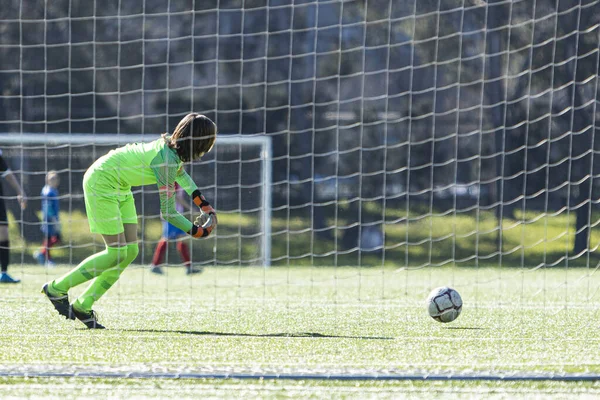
x: 369, y: 151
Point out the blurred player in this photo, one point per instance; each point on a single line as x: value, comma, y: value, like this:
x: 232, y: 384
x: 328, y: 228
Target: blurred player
x: 50, y: 220
x: 172, y: 233
x: 4, y: 238
x: 111, y: 210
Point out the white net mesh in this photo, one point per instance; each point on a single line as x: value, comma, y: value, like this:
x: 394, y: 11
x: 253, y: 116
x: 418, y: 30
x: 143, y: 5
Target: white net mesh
x: 407, y: 136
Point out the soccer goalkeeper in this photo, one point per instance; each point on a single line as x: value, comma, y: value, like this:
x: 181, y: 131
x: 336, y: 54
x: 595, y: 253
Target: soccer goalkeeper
x: 111, y: 210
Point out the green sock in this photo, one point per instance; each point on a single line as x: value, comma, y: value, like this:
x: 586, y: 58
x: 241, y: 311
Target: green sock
x: 89, y: 268
x: 105, y: 281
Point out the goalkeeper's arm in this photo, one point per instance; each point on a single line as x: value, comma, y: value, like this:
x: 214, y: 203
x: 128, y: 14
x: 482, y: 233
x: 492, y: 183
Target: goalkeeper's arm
x: 170, y: 214
x: 206, y: 208
x: 187, y: 183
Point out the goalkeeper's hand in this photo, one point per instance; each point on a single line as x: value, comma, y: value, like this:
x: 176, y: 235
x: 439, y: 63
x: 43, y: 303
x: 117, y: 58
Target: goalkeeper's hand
x: 204, y: 225
x: 206, y: 222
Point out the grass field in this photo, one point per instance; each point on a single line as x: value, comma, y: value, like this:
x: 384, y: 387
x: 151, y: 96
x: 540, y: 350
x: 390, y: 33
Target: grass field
x: 532, y: 239
x: 305, y: 320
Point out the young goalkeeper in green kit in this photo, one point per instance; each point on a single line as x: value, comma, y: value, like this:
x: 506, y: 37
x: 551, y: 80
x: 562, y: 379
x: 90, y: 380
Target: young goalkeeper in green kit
x: 111, y: 210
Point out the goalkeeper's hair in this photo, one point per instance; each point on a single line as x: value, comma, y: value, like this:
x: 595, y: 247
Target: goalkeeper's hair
x: 193, y: 137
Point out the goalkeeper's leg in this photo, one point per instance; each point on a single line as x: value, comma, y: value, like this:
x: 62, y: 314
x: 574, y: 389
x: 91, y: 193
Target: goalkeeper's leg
x: 105, y: 281
x: 101, y: 209
x: 95, y: 265
x: 109, y: 276
x: 89, y: 268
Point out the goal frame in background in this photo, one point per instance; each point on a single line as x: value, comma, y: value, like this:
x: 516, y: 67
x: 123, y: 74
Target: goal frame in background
x: 266, y: 157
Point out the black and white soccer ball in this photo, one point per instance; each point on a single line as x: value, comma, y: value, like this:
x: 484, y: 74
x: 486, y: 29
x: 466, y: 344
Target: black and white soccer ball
x: 444, y: 304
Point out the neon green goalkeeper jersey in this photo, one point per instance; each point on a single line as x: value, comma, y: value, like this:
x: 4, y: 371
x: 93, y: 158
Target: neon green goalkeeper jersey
x: 139, y: 164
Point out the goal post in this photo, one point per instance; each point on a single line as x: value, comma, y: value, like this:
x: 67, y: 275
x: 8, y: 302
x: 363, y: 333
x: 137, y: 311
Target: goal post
x: 238, y: 182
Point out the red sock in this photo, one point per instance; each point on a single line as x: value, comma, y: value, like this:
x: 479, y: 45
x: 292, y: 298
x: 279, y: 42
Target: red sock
x: 49, y: 243
x: 159, y: 253
x: 45, y: 248
x: 54, y: 240
x: 184, y: 251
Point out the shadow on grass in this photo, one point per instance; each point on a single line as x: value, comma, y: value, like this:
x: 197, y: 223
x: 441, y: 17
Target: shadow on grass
x: 258, y: 335
x: 465, y: 328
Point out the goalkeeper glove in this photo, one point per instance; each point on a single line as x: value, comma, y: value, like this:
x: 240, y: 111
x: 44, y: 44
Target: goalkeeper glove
x: 201, y: 228
x: 198, y: 230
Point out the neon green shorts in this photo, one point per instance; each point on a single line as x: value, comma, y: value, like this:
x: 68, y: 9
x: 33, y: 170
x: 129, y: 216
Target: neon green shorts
x: 107, y: 208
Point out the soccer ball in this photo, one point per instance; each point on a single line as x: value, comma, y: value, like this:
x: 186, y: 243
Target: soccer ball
x: 444, y: 304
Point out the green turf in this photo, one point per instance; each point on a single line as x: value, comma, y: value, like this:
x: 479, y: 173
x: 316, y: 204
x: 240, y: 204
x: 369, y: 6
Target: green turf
x: 531, y: 238
x: 319, y: 319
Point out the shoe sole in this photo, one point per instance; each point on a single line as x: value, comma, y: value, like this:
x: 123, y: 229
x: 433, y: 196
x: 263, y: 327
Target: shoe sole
x: 58, y: 306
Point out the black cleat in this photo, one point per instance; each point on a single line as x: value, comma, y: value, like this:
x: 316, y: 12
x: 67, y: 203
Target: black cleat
x: 60, y: 303
x: 193, y: 270
x: 89, y: 319
x: 156, y: 270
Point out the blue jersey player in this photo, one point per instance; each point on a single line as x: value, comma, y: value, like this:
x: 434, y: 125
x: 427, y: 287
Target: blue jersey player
x: 50, y: 219
x: 172, y: 233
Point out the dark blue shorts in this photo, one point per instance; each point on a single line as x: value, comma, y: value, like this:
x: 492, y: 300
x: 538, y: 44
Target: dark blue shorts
x: 171, y: 231
x: 50, y: 230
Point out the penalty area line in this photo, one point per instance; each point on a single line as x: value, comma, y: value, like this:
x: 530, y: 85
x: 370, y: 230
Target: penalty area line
x: 304, y: 376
